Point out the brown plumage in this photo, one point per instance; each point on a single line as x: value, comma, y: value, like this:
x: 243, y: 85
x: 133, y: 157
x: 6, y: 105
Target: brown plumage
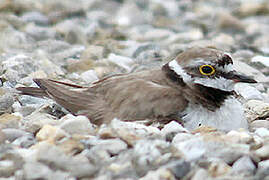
x: 158, y: 94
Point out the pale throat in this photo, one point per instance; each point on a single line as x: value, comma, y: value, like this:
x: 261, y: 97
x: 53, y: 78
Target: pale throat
x: 218, y: 83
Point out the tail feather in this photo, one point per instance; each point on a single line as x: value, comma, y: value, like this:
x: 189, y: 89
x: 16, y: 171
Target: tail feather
x: 72, y: 100
x: 32, y: 91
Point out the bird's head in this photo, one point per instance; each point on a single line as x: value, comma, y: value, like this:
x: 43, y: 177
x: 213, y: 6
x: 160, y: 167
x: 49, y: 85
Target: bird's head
x: 207, y: 67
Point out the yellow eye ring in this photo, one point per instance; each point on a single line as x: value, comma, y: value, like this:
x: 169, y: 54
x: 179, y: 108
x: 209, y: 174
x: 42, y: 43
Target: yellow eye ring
x: 207, y: 70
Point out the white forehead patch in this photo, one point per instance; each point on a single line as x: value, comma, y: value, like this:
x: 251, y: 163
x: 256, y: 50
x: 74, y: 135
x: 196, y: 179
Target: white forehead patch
x: 227, y: 68
x: 179, y: 71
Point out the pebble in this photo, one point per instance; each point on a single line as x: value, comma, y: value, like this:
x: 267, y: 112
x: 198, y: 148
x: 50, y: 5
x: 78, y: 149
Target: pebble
x: 261, y: 59
x: 50, y: 133
x: 248, y: 92
x: 89, y: 76
x: 258, y: 124
x: 263, y: 152
x: 12, y: 133
x: 121, y: 61
x: 76, y: 125
x: 36, y: 17
x: 171, y: 129
x: 201, y: 174
x: 36, y: 170
x: 244, y: 165
x: 180, y: 168
x: 262, y: 132
x: 257, y: 110
x: 56, y: 159
x: 112, y: 146
x: 192, y: 149
x: 9, y: 121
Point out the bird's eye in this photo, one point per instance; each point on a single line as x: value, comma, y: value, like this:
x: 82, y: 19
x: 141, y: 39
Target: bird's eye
x: 207, y: 70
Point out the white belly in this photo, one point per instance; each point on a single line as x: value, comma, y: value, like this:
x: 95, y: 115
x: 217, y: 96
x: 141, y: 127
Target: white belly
x: 230, y: 116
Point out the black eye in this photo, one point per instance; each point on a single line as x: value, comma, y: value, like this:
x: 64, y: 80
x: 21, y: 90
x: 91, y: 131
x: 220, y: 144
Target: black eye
x: 207, y: 70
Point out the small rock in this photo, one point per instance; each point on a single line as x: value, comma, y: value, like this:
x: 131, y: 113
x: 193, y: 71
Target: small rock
x: 264, y: 164
x: 50, y: 133
x: 171, y: 129
x: 157, y: 34
x: 39, y: 33
x: 89, y: 76
x: 93, y: 52
x: 263, y: 170
x: 7, y: 168
x: 25, y: 141
x: 261, y: 59
x: 161, y: 173
x: 256, y: 110
x: 130, y: 132
x: 12, y: 134
x: 238, y: 137
x: 36, y: 170
x: 258, y: 124
x: 113, y: 146
x: 9, y: 121
x: 192, y: 35
x: 180, y: 168
x: 180, y: 137
x: 201, y: 174
x: 218, y: 168
x: 228, y: 21
x: 121, y: 61
x: 192, y: 149
x: 149, y: 154
x: 6, y: 102
x: 224, y: 39
x: 70, y: 146
x: 35, y: 121
x: 36, y: 17
x: 263, y: 152
x: 248, y: 92
x: 56, y: 159
x: 76, y: 125
x: 262, y: 132
x: 244, y: 165
x: 129, y: 14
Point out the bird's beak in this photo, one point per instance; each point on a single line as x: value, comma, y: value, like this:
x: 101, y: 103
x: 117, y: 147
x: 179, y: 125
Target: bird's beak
x: 236, y: 77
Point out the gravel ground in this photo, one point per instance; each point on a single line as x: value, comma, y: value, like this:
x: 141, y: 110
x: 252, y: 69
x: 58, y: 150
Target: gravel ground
x: 84, y: 40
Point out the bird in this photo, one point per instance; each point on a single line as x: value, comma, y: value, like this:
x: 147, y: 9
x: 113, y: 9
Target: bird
x: 196, y: 88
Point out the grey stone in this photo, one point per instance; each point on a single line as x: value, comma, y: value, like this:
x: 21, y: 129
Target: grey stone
x: 56, y: 159
x: 12, y: 134
x: 7, y: 168
x: 261, y: 59
x: 262, y: 132
x: 6, y: 102
x: 248, y: 92
x: 76, y: 125
x: 112, y: 146
x: 192, y: 149
x: 25, y: 141
x: 244, y: 165
x: 35, y: 17
x: 258, y: 124
x: 180, y: 168
x: 171, y: 129
x: 36, y: 170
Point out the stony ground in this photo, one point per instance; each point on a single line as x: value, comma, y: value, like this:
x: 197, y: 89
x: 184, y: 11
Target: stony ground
x: 82, y: 41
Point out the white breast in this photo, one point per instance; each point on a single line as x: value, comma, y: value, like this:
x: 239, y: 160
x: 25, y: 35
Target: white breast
x: 230, y: 116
